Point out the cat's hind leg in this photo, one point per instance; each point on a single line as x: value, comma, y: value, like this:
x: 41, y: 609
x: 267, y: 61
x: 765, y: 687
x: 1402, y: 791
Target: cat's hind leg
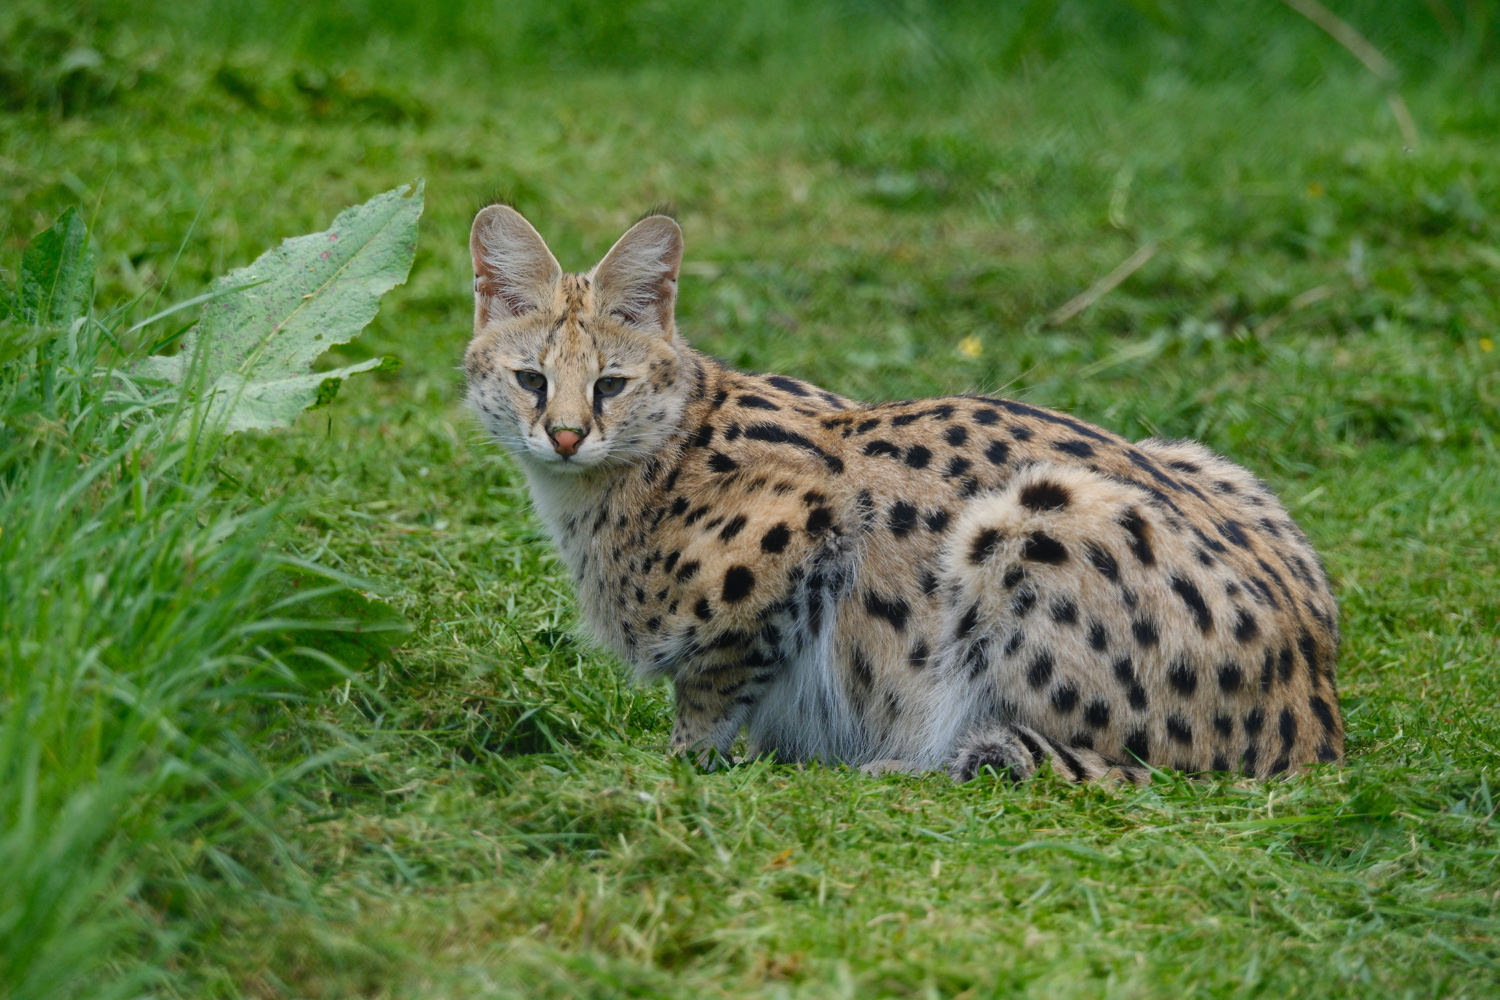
x: 1016, y: 752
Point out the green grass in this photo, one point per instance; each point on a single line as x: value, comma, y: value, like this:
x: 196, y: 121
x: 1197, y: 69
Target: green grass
x: 491, y: 812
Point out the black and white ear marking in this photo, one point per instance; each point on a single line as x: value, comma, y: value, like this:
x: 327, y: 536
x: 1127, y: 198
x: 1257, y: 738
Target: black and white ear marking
x: 513, y: 270
x: 637, y: 280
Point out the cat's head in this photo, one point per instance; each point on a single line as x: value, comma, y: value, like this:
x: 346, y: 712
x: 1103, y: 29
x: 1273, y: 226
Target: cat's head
x: 575, y: 371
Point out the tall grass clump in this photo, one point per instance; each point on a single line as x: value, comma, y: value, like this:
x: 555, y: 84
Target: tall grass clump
x: 146, y: 637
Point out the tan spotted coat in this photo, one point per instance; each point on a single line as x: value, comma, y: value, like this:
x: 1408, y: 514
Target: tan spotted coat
x: 954, y: 583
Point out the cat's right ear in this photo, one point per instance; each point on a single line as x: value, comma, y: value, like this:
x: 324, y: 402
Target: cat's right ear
x: 514, y: 272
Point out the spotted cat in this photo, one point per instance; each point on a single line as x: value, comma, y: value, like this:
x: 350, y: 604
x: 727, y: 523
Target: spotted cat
x: 958, y: 583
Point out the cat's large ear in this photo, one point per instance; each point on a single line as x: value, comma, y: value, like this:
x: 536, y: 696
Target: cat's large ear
x: 637, y: 279
x: 514, y: 272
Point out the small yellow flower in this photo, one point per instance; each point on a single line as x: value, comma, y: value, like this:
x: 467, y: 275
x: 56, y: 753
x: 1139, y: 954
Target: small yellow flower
x: 971, y: 346
x: 1486, y: 344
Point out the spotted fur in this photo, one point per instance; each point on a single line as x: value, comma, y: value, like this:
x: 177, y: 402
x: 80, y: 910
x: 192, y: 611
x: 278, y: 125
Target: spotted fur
x: 970, y: 583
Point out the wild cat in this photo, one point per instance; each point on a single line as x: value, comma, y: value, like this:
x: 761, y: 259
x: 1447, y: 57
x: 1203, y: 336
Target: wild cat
x: 954, y: 583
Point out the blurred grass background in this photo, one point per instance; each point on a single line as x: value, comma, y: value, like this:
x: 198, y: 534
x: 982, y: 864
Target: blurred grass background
x: 892, y: 199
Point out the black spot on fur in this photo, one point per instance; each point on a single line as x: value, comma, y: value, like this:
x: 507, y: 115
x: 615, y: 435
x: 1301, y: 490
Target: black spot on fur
x: 688, y: 571
x: 997, y: 452
x: 956, y: 435
x: 1246, y: 628
x: 1098, y: 637
x: 695, y: 515
x: 776, y: 539
x: 1179, y: 730
x: 734, y: 527
x: 929, y: 583
x: 957, y: 466
x: 983, y: 546
x: 977, y: 659
x: 1096, y: 713
x: 753, y: 402
x: 917, y: 658
x: 775, y: 434
x: 738, y: 582
x: 1284, y: 664
x: 819, y: 520
x: 1125, y: 674
x: 1182, y: 677
x: 863, y: 675
x: 1103, y: 562
x: 893, y: 609
x: 1040, y: 671
x: 1323, y: 712
x: 1140, y: 536
x: 969, y: 621
x: 790, y: 385
x: 1287, y: 723
x: 670, y: 561
x: 917, y: 456
x: 1145, y: 631
x: 1081, y: 449
x: 937, y: 521
x: 1255, y: 720
x: 867, y: 425
x: 1065, y: 698
x: 1043, y: 548
x: 1013, y: 576
x: 1064, y: 611
x: 1230, y: 678
x: 1233, y: 533
x: 703, y: 437
x: 1267, y: 671
x: 1194, y: 600
x: 903, y: 518
x: 720, y: 462
x: 1045, y: 495
x: 881, y: 447
x: 1022, y: 603
x: 1326, y: 753
x: 1251, y: 759
x: 1309, y: 648
x: 1137, y: 744
x: 987, y: 417
x: 1224, y: 726
x: 701, y: 609
x: 1016, y: 641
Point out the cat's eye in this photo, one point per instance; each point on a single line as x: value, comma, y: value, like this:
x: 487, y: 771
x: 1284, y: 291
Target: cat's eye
x: 609, y: 385
x: 535, y: 381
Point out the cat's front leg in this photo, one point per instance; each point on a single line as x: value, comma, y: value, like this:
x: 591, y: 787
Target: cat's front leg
x: 712, y: 704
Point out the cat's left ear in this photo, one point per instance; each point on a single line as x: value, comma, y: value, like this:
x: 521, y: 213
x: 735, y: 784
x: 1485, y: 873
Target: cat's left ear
x: 637, y: 280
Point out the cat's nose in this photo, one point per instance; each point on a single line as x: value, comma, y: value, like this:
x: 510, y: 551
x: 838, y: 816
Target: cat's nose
x: 565, y: 440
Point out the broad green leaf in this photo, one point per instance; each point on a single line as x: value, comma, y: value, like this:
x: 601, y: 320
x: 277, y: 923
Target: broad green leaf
x: 252, y: 352
x: 57, y: 273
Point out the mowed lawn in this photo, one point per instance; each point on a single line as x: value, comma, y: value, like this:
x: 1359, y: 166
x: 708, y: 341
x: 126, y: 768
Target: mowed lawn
x: 1312, y: 290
